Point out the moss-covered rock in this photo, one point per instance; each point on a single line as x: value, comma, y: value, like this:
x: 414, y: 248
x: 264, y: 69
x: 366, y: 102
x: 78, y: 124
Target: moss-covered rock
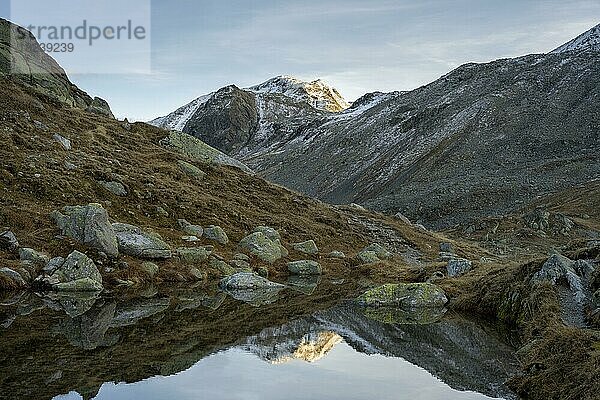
x: 407, y: 295
x: 305, y: 267
x: 259, y: 245
x: 308, y: 247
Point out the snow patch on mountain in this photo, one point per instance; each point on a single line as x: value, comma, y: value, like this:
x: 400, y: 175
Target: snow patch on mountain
x: 179, y: 118
x: 317, y: 93
x: 588, y: 41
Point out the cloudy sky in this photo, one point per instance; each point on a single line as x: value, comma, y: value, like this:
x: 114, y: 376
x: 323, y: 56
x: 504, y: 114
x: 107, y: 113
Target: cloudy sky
x: 357, y: 46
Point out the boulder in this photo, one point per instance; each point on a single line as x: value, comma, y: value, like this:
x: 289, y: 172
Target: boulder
x: 247, y: 281
x: 241, y: 265
x: 77, y: 274
x: 305, y: 267
x: 555, y: 268
x: 308, y: 247
x: 446, y: 248
x: 368, y: 257
x: 405, y: 295
x: 34, y: 257
x: 191, y: 170
x: 269, y: 232
x: 8, y: 241
x: 15, y: 280
x: 259, y: 245
x: 458, y: 266
x: 88, y: 225
x: 133, y: 242
x: 217, y: 234
x: 116, y: 188
x: 194, y: 255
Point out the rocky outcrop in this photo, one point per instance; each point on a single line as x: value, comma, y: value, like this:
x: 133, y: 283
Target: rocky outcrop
x: 89, y: 226
x: 8, y: 241
x: 23, y: 60
x: 374, y: 253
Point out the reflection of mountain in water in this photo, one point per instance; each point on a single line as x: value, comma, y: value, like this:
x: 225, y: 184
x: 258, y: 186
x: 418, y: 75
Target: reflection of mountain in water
x: 44, y: 353
x: 456, y: 350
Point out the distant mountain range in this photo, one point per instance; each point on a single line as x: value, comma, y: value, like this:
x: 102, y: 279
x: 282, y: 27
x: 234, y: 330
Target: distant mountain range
x: 485, y: 139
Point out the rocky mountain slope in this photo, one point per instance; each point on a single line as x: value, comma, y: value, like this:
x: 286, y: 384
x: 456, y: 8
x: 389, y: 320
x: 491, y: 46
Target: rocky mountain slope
x: 587, y: 41
x: 485, y: 139
x: 241, y: 121
x: 22, y: 60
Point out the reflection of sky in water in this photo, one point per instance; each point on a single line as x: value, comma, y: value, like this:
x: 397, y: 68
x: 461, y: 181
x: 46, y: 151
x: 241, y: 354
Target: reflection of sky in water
x: 342, y: 374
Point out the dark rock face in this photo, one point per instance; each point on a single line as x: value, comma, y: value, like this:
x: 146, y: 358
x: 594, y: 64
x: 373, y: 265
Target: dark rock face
x: 23, y: 60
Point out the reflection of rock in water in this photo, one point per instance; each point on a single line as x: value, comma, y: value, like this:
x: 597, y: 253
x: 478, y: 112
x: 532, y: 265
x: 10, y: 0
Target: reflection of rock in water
x: 88, y: 331
x: 304, y: 284
x: 417, y: 316
x: 73, y: 303
x: 256, y: 297
x: 134, y: 311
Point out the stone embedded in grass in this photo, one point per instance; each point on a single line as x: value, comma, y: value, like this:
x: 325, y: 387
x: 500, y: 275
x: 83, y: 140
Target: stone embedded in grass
x: 241, y: 265
x: 190, y: 229
x: 150, y: 269
x: 408, y: 295
x: 63, y: 141
x: 8, y: 241
x: 89, y: 226
x: 259, y: 245
x: 116, y: 188
x: 337, y: 254
x: 458, y: 266
x: 133, y: 242
x: 194, y: 255
x: 217, y: 234
x: 308, y: 247
x: 374, y: 253
x: 305, y: 267
x: 221, y: 266
x: 191, y: 170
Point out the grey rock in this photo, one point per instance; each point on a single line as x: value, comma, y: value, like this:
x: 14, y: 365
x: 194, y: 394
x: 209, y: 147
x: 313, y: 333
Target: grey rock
x: 33, y: 256
x: 53, y: 265
x: 217, y: 234
x: 241, y: 265
x: 305, y: 267
x: 133, y: 242
x: 88, y: 225
x: 446, y: 248
x: 223, y: 268
x: 64, y: 142
x: 131, y: 313
x: 116, y: 188
x: 241, y: 257
x: 368, y: 257
x: 308, y: 247
x: 259, y: 245
x: 555, y: 268
x: 269, y: 232
x: 8, y: 241
x: 194, y: 230
x: 197, y: 274
x: 79, y: 285
x: 458, y: 267
x: 337, y: 254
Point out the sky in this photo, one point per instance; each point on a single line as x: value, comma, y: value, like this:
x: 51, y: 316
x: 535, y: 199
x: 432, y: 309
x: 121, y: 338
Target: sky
x: 358, y: 46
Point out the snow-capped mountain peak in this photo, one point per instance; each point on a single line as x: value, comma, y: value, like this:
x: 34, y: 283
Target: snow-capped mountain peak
x: 588, y: 41
x: 316, y: 93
